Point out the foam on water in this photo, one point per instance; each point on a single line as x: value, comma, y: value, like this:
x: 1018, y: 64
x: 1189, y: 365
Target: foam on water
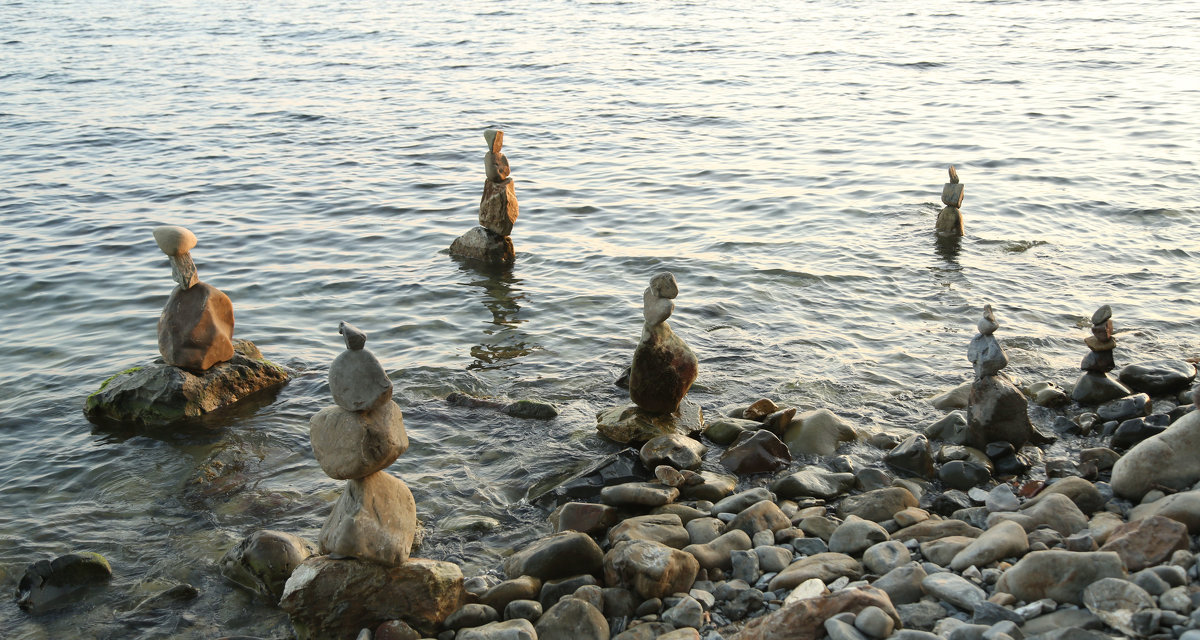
x: 784, y: 162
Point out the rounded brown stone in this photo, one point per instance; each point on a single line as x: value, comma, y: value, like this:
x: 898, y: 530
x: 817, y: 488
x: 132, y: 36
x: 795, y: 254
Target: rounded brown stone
x: 664, y: 368
x: 195, y: 330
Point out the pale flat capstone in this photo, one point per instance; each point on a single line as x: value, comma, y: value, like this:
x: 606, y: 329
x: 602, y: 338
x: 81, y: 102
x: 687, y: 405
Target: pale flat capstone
x: 173, y: 240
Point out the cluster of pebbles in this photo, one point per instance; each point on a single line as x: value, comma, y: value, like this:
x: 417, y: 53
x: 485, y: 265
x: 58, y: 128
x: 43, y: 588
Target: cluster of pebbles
x: 852, y: 553
x: 941, y: 535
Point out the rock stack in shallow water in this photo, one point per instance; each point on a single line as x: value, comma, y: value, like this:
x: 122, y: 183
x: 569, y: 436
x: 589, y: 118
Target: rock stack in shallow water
x: 996, y: 410
x: 366, y: 577
x: 203, y: 367
x: 1095, y: 386
x: 663, y: 370
x: 354, y: 440
x: 949, y: 220
x: 490, y: 241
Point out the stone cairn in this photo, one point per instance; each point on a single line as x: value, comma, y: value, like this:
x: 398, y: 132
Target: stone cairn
x: 195, y: 330
x: 355, y: 440
x: 949, y: 220
x: 365, y: 577
x: 1094, y: 386
x: 490, y: 241
x: 662, y: 372
x: 663, y: 365
x: 203, y: 368
x: 996, y: 410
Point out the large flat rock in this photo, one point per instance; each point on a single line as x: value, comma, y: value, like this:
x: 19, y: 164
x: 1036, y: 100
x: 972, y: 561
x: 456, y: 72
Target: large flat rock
x: 158, y: 393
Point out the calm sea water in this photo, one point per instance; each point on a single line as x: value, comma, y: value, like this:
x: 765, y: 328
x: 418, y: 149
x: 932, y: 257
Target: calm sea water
x: 784, y: 161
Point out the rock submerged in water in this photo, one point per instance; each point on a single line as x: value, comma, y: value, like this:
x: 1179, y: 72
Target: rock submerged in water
x: 1159, y: 377
x: 819, y: 431
x: 263, y: 561
x: 158, y: 394
x: 48, y: 584
x: 484, y: 245
x: 632, y: 425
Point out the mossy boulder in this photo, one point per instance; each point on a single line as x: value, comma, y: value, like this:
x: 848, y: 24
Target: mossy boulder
x: 48, y: 584
x: 159, y: 393
x: 264, y: 560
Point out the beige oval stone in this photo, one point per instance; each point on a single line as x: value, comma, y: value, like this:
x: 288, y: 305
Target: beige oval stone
x: 349, y: 444
x: 174, y: 240
x: 375, y: 519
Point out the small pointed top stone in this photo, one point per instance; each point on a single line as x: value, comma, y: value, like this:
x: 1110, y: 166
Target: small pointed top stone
x: 495, y: 139
x: 1102, y: 314
x: 355, y: 339
x: 987, y: 324
x: 174, y: 240
x: 953, y: 175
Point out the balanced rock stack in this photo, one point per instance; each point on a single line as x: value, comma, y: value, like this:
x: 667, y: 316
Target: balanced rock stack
x: 490, y: 241
x: 996, y: 409
x: 195, y: 330
x: 1095, y: 386
x: 365, y: 577
x: 663, y: 365
x: 203, y: 367
x: 949, y: 220
x: 663, y: 370
x: 354, y: 440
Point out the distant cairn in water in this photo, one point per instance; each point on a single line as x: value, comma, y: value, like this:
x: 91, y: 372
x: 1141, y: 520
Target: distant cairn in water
x: 490, y: 241
x: 949, y: 220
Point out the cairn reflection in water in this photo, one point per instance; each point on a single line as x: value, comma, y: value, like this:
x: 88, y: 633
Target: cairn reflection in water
x: 502, y: 341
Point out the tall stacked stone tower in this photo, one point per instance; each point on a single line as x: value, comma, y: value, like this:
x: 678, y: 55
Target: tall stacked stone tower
x: 490, y: 241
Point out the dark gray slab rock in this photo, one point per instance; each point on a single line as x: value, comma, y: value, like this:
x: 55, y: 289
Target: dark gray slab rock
x: 1158, y: 377
x: 48, y: 584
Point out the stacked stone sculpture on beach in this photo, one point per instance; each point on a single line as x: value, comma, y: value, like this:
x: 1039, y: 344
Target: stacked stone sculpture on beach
x: 354, y: 440
x: 949, y: 220
x: 490, y: 241
x: 365, y: 576
x: 663, y: 365
x: 195, y: 330
x: 203, y: 367
x: 996, y: 409
x: 1095, y: 386
x: 663, y: 370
